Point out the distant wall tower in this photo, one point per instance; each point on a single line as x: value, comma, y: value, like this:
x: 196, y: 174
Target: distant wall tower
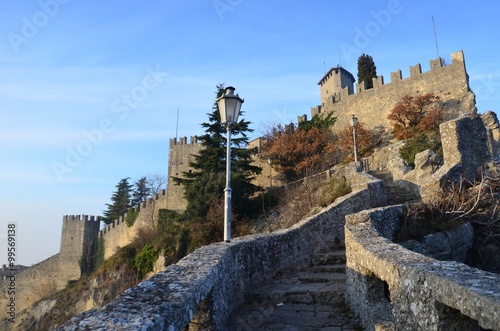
x: 78, y: 245
x: 333, y: 82
x: 180, y: 155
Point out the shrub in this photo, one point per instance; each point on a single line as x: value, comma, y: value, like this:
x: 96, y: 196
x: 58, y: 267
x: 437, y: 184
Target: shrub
x: 145, y: 260
x: 413, y: 115
x: 299, y: 153
x: 417, y: 144
x: 132, y: 215
x: 183, y: 244
x: 166, y: 217
x: 335, y: 188
x: 364, y: 141
x: 100, y: 253
x: 476, y: 202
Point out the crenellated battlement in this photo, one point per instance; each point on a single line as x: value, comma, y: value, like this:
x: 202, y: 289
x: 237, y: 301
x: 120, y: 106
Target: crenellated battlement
x: 87, y: 218
x: 193, y: 140
x: 415, y: 73
x: 121, y: 220
x: 118, y: 234
x: 371, y: 106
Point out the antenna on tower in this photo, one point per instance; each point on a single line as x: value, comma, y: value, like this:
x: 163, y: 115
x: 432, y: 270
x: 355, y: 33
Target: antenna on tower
x: 435, y: 37
x: 177, y: 125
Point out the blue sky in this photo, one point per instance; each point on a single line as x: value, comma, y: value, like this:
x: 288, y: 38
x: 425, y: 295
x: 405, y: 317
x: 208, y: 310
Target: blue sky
x: 89, y: 91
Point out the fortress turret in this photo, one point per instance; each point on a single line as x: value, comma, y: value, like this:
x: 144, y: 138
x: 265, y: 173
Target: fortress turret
x: 78, y: 245
x: 333, y: 82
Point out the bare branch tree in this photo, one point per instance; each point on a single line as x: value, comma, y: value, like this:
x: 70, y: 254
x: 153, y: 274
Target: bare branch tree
x: 156, y: 182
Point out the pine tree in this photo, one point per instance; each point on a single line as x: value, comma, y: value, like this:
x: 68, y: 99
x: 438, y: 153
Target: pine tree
x: 120, y: 201
x: 141, y: 191
x: 207, y: 178
x: 366, y: 70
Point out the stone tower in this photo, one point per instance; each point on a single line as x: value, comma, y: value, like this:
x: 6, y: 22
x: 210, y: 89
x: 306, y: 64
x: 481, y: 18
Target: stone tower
x: 333, y: 82
x: 78, y: 245
x: 180, y: 155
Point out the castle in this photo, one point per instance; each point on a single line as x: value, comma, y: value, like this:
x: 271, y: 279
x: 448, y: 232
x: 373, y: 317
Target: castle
x: 80, y: 240
x: 339, y: 93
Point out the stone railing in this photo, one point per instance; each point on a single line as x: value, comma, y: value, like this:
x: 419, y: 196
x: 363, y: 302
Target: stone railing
x: 212, y: 280
x: 392, y: 288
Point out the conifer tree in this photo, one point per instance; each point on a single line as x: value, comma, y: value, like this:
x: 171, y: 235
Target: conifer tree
x: 120, y: 201
x: 206, y: 180
x: 366, y: 70
x: 141, y: 191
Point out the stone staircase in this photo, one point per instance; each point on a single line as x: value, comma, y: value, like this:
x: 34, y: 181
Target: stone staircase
x: 307, y: 297
x: 395, y: 194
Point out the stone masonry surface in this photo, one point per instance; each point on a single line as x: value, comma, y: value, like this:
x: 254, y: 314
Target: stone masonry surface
x: 222, y: 272
x: 78, y: 234
x: 386, y: 282
x: 391, y: 284
x: 465, y: 150
x: 306, y: 297
x: 118, y: 234
x: 371, y: 106
x: 78, y: 242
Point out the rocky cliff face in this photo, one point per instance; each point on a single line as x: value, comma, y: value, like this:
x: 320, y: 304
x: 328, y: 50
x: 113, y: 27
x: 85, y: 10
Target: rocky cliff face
x: 89, y: 292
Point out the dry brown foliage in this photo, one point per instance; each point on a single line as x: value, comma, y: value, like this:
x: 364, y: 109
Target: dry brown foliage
x: 417, y: 114
x: 477, y: 202
x: 299, y: 153
x: 364, y: 141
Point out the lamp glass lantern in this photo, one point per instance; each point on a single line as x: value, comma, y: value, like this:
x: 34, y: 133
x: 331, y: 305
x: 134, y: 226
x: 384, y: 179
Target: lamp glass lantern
x: 354, y: 120
x: 229, y: 107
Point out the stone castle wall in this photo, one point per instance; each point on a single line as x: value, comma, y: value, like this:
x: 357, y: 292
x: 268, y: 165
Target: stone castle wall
x: 221, y: 272
x: 372, y: 106
x: 78, y: 241
x: 79, y: 238
x: 79, y: 234
x: 31, y: 285
x: 118, y: 234
x: 180, y: 155
x: 269, y: 176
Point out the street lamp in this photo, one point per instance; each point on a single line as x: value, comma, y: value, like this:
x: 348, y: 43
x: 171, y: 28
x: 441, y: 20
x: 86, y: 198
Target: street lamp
x: 354, y: 121
x: 229, y: 108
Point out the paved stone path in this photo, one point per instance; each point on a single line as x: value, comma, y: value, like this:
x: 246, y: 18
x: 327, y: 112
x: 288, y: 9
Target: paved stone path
x: 395, y: 194
x: 308, y: 297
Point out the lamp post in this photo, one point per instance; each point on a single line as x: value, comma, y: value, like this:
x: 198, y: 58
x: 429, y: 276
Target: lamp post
x: 229, y: 107
x: 270, y: 172
x: 354, y: 121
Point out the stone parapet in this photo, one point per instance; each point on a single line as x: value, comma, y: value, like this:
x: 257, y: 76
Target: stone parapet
x: 388, y: 284
x: 465, y: 151
x: 221, y: 273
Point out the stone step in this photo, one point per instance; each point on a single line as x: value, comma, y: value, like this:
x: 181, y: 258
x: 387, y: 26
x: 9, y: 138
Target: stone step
x: 330, y: 268
x: 320, y: 277
x: 291, y: 316
x: 386, y: 176
x: 306, y: 293
x: 309, y: 296
x: 395, y: 194
x: 323, y: 272
x: 329, y: 258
